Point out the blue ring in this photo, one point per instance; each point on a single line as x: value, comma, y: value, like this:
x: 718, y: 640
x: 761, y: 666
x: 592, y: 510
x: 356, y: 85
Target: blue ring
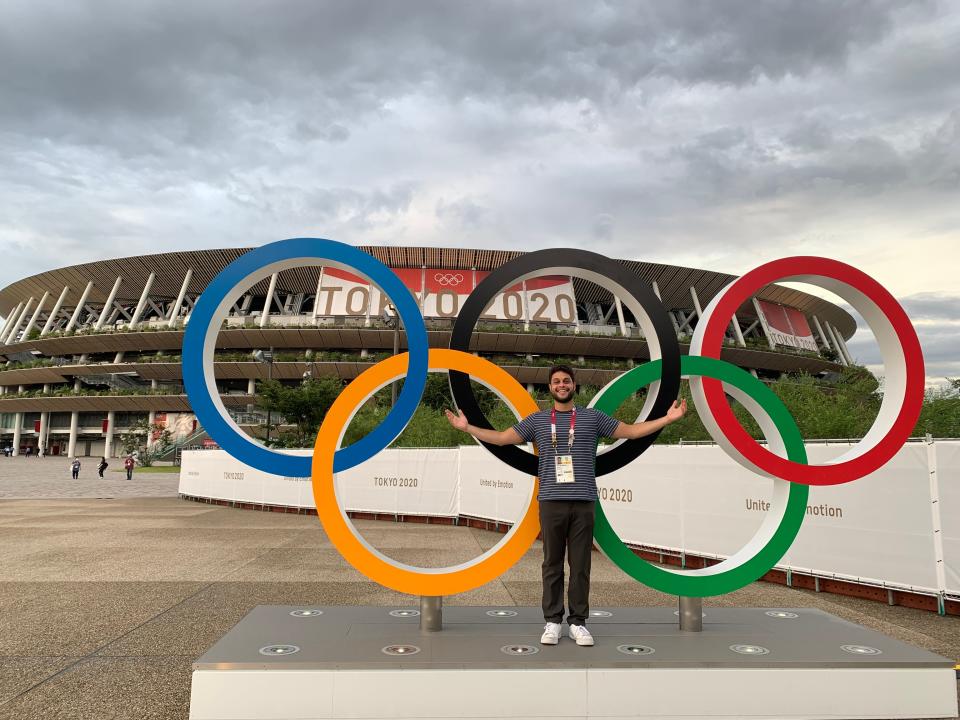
x: 196, y: 336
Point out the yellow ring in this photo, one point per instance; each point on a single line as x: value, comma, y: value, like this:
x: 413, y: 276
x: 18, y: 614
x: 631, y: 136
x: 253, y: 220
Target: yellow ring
x: 365, y: 558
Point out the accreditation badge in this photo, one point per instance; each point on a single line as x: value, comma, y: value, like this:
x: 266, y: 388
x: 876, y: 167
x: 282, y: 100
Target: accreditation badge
x: 563, y: 466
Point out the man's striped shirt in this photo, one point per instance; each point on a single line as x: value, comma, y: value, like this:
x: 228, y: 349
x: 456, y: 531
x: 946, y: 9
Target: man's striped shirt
x: 591, y: 425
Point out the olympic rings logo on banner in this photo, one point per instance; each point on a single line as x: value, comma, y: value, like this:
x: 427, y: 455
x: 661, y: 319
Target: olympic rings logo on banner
x: 448, y: 278
x: 711, y: 379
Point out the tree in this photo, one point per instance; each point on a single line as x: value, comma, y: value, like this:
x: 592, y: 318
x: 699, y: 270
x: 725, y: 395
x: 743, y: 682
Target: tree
x: 135, y: 440
x: 303, y: 405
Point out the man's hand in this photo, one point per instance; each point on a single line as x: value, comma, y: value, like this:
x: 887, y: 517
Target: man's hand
x: 677, y: 411
x: 458, y: 420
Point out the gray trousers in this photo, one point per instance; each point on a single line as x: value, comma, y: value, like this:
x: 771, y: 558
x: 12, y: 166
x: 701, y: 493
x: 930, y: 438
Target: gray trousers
x: 567, y: 528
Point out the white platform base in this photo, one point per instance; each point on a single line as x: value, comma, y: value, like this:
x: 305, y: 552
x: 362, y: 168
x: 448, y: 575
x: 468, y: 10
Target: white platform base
x: 688, y: 675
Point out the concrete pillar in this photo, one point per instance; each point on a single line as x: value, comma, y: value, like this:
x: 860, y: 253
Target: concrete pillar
x: 823, y: 335
x: 53, y: 313
x: 108, y: 304
x: 316, y: 301
x: 738, y: 333
x: 656, y: 291
x: 72, y: 442
x: 42, y: 439
x: 11, y: 336
x: 76, y: 385
x: 265, y: 315
x: 619, y: 306
x: 175, y: 310
x: 142, y: 303
x: 696, y: 302
x: 8, y: 323
x: 79, y: 309
x: 36, y: 314
x: 843, y: 346
x: 151, y: 419
x: 763, y: 323
x: 108, y: 443
x: 573, y: 297
x: 17, y: 429
x: 526, y: 306
x: 251, y: 387
x: 836, y: 345
x: 154, y: 384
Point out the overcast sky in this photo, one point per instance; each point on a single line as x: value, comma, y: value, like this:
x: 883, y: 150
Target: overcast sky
x: 716, y: 135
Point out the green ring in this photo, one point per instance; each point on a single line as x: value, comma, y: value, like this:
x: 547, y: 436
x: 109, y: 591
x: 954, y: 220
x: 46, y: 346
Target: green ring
x: 724, y: 580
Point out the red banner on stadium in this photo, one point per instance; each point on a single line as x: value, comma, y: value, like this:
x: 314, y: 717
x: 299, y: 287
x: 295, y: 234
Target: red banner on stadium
x: 442, y: 292
x: 788, y: 326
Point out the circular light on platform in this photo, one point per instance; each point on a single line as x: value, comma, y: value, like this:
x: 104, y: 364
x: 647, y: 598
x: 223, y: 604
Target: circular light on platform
x: 750, y: 649
x: 404, y: 613
x: 861, y: 650
x: 600, y: 613
x: 781, y: 614
x: 277, y: 650
x: 400, y: 650
x: 502, y: 613
x: 306, y: 613
x: 635, y: 649
x: 519, y: 650
x: 702, y: 613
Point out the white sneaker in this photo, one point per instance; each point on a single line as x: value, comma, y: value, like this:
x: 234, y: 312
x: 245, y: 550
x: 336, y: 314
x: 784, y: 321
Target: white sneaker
x: 551, y: 634
x: 581, y: 635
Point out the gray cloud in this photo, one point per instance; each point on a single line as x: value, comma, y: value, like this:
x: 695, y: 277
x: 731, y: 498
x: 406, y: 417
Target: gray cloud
x: 712, y: 134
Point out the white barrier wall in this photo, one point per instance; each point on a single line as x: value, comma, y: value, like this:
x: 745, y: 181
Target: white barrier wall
x: 945, y: 477
x: 692, y: 499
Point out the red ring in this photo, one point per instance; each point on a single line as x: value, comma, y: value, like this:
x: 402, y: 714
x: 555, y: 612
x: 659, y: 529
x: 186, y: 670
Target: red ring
x: 739, y: 292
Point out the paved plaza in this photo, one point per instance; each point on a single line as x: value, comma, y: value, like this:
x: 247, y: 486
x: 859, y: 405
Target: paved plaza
x: 109, y: 590
x: 49, y: 477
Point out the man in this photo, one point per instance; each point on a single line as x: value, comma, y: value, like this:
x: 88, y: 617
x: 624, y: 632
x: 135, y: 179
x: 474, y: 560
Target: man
x: 75, y: 468
x: 128, y: 466
x: 566, y: 438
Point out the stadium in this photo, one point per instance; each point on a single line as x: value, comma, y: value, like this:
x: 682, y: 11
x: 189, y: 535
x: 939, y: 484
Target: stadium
x: 92, y: 350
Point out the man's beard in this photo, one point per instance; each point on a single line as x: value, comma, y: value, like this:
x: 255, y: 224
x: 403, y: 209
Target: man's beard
x: 566, y: 397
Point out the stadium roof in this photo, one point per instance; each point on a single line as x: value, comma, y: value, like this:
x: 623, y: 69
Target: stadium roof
x: 169, y: 268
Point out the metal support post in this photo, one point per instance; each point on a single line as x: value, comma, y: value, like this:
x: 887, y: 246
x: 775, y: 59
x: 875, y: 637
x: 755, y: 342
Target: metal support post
x: 691, y: 614
x: 431, y: 613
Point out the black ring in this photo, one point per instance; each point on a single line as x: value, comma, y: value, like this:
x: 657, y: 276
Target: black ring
x: 633, y: 291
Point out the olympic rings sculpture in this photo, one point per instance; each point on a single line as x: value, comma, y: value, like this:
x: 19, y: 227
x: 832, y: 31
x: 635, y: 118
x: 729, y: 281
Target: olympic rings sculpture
x: 711, y: 379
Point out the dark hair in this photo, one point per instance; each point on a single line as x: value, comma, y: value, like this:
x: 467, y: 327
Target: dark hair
x: 564, y: 369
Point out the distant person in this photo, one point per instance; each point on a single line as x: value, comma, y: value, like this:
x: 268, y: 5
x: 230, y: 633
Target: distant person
x: 128, y: 466
x: 75, y: 468
x: 102, y: 466
x: 29, y: 452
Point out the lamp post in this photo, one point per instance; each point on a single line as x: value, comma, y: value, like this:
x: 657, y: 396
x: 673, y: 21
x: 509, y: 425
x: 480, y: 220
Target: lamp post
x: 392, y: 319
x: 266, y: 357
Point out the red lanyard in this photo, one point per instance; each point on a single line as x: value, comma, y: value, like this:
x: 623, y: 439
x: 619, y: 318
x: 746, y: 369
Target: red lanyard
x: 553, y: 428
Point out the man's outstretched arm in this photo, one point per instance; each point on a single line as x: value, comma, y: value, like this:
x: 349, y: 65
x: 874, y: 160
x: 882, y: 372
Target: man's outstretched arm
x: 632, y: 431
x: 494, y: 437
